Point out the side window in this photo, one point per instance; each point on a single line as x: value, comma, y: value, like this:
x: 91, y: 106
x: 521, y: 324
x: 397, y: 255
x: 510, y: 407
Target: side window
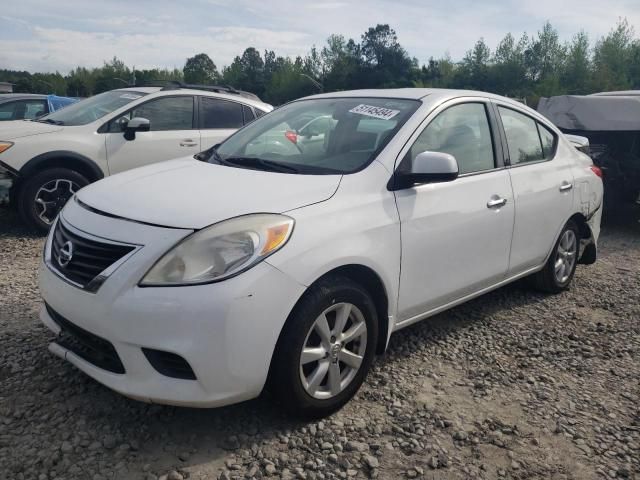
x: 166, y: 113
x: 548, y: 142
x: 522, y: 137
x: 462, y: 131
x: 220, y: 113
x: 248, y: 114
x: 34, y: 108
x: 6, y: 110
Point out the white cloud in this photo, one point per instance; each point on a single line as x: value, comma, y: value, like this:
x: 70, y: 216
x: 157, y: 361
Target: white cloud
x: 40, y: 35
x: 61, y: 49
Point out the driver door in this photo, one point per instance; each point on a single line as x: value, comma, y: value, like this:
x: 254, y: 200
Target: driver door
x: 172, y: 134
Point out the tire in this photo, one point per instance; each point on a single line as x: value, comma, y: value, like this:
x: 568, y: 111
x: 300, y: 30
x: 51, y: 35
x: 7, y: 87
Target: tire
x: 332, y: 294
x: 547, y: 279
x: 53, y: 186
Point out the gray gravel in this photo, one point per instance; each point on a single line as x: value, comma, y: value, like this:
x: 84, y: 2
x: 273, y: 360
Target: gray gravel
x: 512, y: 385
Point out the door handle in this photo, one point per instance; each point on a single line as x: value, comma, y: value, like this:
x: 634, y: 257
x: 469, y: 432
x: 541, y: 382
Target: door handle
x: 496, y: 202
x: 187, y: 142
x: 566, y: 186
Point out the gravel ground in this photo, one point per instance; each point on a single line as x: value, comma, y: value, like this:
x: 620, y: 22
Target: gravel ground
x: 512, y: 385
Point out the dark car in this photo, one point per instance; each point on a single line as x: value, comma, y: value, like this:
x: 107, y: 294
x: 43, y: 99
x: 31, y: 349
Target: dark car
x: 27, y: 106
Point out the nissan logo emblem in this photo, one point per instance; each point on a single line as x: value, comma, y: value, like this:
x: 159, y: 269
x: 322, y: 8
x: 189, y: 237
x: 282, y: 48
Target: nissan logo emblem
x: 65, y: 254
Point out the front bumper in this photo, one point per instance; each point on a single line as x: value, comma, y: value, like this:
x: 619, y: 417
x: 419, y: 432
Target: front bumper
x: 225, y: 331
x: 7, y: 179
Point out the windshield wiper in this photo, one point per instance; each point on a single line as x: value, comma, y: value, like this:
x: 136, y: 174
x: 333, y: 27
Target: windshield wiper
x: 49, y: 120
x: 258, y: 163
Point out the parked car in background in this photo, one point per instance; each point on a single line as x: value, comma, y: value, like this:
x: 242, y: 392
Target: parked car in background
x: 27, y: 106
x: 290, y: 268
x: 611, y: 123
x: 52, y: 157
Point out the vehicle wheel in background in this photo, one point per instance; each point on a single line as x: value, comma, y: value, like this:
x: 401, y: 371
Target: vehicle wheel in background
x: 326, y: 348
x: 43, y: 195
x: 561, y: 266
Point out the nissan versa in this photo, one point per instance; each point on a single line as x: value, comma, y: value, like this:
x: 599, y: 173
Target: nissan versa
x: 286, y: 256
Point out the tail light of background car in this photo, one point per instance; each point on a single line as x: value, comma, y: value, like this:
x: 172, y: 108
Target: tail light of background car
x: 597, y: 170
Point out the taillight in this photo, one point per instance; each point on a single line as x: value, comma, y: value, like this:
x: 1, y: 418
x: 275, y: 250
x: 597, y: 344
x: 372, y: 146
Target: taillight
x: 291, y: 136
x: 596, y: 170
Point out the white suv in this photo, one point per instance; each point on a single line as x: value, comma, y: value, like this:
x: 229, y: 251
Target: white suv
x: 281, y: 265
x: 50, y: 158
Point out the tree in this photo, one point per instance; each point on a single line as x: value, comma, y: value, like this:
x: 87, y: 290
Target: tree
x: 247, y: 72
x: 577, y: 68
x: 545, y: 54
x: 474, y: 68
x: 386, y: 62
x: 113, y: 74
x: 612, y: 57
x: 507, y: 75
x: 200, y: 69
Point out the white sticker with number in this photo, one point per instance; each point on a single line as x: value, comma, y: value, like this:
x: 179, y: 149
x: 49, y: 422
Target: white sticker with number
x: 375, y: 112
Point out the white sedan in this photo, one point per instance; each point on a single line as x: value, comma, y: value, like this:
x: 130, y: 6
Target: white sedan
x: 199, y: 283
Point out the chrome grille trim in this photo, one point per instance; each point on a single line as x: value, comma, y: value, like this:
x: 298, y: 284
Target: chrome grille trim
x: 94, y: 284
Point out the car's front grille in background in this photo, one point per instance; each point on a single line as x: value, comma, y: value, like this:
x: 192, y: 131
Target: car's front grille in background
x: 81, y: 259
x: 86, y: 345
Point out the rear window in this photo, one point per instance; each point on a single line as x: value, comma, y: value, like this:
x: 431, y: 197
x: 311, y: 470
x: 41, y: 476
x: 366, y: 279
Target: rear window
x: 523, y: 139
x: 218, y: 113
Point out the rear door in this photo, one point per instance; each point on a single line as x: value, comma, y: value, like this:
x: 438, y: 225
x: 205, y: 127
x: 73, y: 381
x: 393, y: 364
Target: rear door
x: 542, y: 186
x: 220, y: 118
x: 172, y: 134
x: 456, y: 235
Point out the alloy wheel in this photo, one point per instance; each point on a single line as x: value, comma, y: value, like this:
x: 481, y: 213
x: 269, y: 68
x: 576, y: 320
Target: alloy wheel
x: 52, y: 196
x: 565, y: 256
x: 333, y: 351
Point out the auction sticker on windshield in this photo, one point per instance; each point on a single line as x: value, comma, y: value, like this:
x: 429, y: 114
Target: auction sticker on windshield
x: 375, y: 112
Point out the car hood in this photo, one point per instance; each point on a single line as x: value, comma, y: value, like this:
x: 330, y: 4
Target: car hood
x: 25, y: 128
x: 187, y: 193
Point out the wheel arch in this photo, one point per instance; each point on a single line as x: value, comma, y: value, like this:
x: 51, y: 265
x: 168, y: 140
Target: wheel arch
x: 589, y: 253
x: 62, y: 159
x: 373, y: 283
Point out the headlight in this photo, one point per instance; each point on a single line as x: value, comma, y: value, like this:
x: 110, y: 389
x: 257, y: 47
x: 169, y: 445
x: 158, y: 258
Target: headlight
x: 221, y: 250
x: 5, y: 146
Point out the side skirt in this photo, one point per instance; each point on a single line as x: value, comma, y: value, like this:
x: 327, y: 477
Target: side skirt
x: 409, y: 321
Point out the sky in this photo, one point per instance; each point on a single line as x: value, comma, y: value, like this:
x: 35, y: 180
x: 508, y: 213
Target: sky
x: 41, y: 35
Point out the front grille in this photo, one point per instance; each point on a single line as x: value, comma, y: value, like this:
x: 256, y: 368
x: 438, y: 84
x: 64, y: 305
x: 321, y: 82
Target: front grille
x: 86, y: 345
x: 81, y: 259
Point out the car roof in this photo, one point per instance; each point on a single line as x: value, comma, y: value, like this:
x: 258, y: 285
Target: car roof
x: 204, y: 93
x: 21, y: 96
x: 621, y: 93
x: 412, y: 94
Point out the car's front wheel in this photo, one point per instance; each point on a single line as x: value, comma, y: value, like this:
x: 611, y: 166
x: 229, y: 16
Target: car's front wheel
x: 326, y: 348
x: 42, y: 196
x: 561, y: 265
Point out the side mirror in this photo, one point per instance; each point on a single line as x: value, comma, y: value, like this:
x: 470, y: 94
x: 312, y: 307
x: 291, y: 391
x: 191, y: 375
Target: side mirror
x: 428, y: 167
x: 137, y: 124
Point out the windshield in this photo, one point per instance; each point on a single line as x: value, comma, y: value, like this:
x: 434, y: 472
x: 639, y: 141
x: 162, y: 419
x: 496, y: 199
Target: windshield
x: 318, y: 136
x: 92, y: 109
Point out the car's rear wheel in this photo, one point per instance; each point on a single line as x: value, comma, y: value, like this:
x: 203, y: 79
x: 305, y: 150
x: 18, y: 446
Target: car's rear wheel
x: 326, y: 348
x: 42, y: 196
x: 558, y: 272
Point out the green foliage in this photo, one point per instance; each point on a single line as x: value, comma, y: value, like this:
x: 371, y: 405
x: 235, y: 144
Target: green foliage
x: 528, y: 67
x: 200, y: 70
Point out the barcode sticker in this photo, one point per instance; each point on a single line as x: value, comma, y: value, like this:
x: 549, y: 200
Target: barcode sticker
x: 375, y: 112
